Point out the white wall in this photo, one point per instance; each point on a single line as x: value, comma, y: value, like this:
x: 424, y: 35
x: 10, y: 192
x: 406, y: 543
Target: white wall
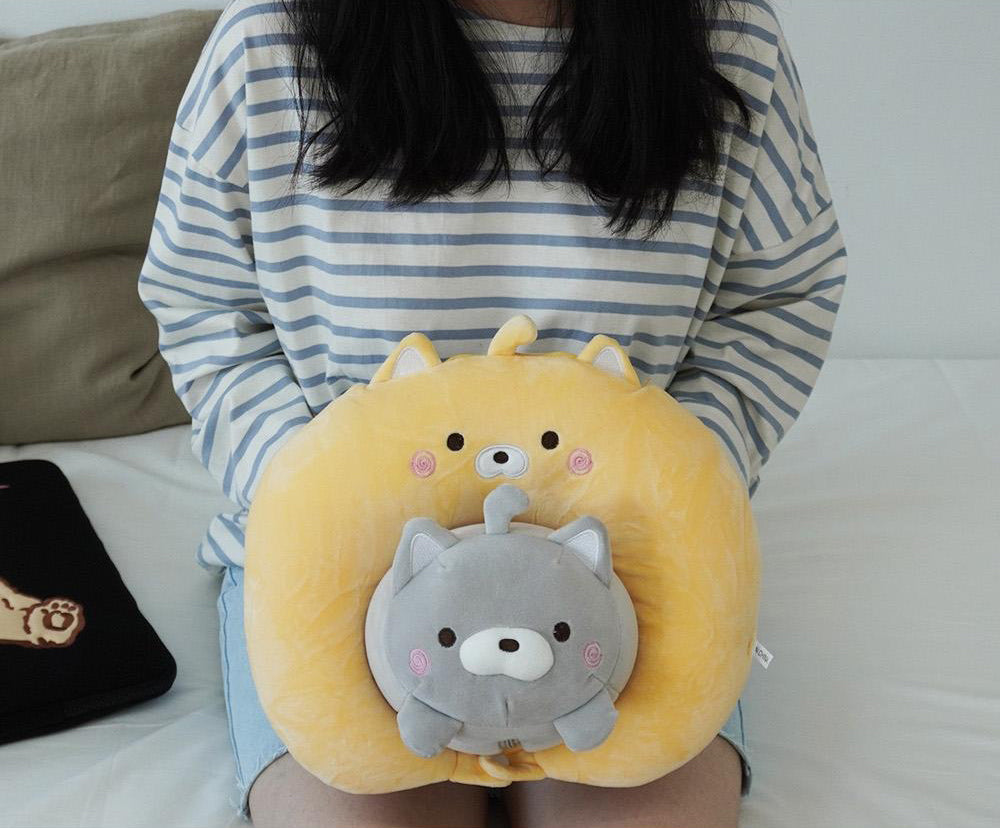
x: 904, y: 100
x: 24, y: 17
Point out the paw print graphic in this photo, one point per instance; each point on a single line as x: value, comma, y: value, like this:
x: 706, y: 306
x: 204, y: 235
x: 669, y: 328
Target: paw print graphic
x: 54, y: 623
x: 36, y: 622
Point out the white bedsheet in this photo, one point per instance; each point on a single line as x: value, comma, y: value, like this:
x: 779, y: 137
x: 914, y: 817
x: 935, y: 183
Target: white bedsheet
x: 879, y: 519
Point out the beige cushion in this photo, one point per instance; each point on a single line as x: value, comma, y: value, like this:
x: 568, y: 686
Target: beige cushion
x: 87, y: 114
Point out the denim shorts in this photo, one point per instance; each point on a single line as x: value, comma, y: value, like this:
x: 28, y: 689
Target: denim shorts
x: 255, y: 744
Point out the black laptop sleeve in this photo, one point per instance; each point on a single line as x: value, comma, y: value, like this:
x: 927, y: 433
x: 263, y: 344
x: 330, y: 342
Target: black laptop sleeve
x: 73, y: 643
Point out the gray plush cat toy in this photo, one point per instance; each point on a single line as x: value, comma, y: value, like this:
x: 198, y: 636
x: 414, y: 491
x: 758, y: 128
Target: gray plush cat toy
x: 501, y: 634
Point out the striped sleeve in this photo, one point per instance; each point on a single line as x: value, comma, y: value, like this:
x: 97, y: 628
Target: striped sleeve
x: 756, y: 357
x: 199, y: 281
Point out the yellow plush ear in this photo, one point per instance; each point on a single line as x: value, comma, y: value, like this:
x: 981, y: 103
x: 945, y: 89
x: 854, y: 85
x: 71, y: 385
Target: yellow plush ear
x: 518, y: 330
x: 415, y: 352
x: 605, y: 353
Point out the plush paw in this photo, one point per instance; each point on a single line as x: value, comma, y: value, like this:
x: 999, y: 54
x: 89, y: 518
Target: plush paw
x: 53, y: 623
x: 425, y: 731
x: 424, y: 745
x: 589, y: 725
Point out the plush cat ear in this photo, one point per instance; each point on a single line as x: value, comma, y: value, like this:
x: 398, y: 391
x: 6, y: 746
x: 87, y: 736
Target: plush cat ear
x: 605, y: 353
x: 415, y: 352
x: 422, y: 541
x: 587, y: 538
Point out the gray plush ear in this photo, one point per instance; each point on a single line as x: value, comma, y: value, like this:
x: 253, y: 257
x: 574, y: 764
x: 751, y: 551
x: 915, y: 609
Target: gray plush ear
x: 422, y: 541
x: 587, y: 538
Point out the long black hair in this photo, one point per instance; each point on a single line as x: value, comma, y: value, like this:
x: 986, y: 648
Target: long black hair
x: 636, y: 106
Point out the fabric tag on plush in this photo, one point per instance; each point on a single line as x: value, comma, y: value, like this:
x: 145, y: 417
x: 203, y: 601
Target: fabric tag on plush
x: 761, y: 654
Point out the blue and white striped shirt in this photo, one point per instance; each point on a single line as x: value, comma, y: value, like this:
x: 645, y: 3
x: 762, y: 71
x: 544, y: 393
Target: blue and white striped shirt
x: 271, y: 301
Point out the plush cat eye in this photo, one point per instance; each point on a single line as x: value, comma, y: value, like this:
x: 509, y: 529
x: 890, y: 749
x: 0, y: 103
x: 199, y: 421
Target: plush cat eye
x: 561, y: 631
x: 446, y: 636
x: 455, y: 441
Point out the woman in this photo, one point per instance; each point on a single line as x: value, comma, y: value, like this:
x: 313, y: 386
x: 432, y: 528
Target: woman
x: 343, y: 172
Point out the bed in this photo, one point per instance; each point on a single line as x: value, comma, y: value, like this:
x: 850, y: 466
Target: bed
x: 879, y: 524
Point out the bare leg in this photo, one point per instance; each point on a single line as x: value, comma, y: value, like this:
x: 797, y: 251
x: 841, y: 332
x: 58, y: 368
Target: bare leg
x: 702, y: 793
x: 285, y: 795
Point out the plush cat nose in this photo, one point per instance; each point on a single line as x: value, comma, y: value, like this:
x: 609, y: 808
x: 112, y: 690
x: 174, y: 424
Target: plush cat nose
x: 517, y: 652
x: 508, y: 460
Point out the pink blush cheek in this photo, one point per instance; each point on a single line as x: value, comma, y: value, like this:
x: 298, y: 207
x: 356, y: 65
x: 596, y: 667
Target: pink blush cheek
x: 420, y: 662
x: 422, y: 464
x: 592, y: 655
x: 580, y: 461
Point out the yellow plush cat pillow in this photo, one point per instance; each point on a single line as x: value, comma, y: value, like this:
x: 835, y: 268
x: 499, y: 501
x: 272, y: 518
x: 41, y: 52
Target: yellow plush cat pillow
x: 331, y: 505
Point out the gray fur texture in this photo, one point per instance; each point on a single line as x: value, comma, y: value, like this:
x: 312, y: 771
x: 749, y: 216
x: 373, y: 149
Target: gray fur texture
x: 509, y: 635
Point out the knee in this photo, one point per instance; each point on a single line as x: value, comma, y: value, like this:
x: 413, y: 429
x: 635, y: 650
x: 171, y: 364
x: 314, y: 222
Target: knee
x: 270, y: 792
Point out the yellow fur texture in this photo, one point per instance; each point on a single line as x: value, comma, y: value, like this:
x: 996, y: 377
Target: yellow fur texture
x: 331, y: 503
